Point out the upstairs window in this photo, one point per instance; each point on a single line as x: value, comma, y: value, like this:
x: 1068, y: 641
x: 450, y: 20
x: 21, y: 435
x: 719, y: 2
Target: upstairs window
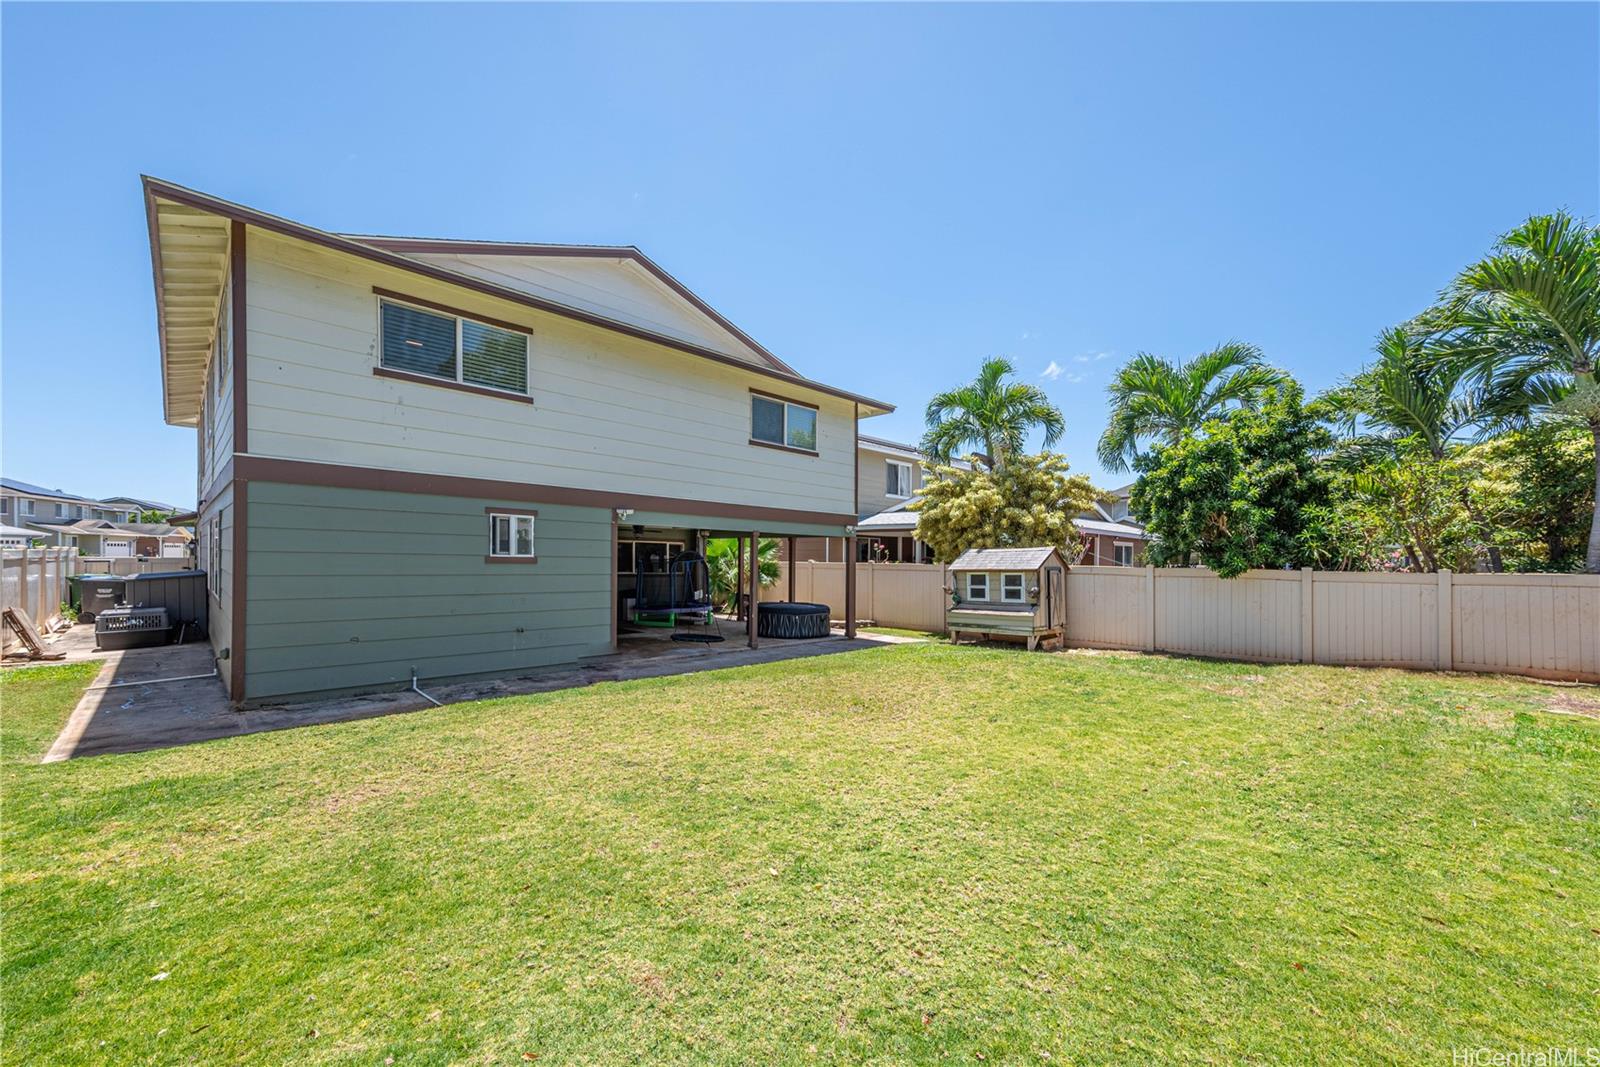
x: 899, y: 483
x: 452, y: 348
x: 783, y: 423
x: 511, y: 536
x: 1011, y: 588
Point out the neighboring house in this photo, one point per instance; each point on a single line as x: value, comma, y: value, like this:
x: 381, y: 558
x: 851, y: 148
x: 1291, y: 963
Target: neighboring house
x: 24, y: 503
x: 17, y: 537
x: 439, y: 459
x: 888, y: 475
x: 1112, y: 536
x: 138, y: 506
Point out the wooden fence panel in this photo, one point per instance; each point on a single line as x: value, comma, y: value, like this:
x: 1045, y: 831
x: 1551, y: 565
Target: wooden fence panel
x: 1255, y: 616
x: 1376, y: 619
x: 1544, y: 625
x: 35, y: 580
x: 1107, y: 607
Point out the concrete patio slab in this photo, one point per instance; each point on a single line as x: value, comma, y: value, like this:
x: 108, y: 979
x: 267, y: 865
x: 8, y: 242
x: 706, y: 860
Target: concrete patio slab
x: 116, y: 716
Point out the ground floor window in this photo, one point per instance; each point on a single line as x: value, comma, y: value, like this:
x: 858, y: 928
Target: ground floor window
x: 511, y: 535
x: 652, y: 555
x: 1122, y: 552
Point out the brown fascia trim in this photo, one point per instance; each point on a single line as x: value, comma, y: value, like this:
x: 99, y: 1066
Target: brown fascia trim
x: 447, y: 247
x: 783, y: 448
x: 151, y: 222
x: 156, y: 188
x: 511, y: 559
x: 446, y: 383
x: 448, y: 310
x: 339, y: 476
x: 493, y: 510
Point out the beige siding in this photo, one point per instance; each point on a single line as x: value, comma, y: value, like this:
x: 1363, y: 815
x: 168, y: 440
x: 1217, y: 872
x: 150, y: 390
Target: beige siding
x: 610, y: 412
x: 619, y: 289
x: 871, y: 497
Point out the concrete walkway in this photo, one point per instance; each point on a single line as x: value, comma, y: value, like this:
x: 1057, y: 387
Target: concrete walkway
x: 126, y: 708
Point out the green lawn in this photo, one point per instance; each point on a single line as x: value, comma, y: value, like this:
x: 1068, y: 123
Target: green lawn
x: 915, y: 853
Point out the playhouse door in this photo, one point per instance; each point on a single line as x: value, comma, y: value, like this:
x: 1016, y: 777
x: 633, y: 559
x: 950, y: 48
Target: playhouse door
x: 1055, y: 597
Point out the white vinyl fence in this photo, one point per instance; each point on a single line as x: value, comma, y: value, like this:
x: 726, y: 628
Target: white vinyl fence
x: 1543, y: 625
x: 35, y: 580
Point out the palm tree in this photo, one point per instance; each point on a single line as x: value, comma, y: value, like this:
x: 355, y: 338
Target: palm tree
x: 1415, y: 389
x: 1418, y: 393
x: 1154, y: 399
x: 722, y: 564
x: 991, y: 415
x: 1529, y: 313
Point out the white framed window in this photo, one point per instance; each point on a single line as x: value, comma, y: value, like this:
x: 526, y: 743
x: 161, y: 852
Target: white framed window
x: 782, y: 423
x: 224, y: 343
x: 1122, y: 553
x: 452, y: 348
x: 899, y: 480
x: 653, y: 555
x: 1013, y: 588
x: 977, y: 586
x: 24, y: 506
x: 511, y: 535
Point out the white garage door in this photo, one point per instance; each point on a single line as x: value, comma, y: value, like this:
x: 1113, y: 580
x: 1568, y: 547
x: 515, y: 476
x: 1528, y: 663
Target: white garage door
x: 117, y: 548
x: 174, y: 550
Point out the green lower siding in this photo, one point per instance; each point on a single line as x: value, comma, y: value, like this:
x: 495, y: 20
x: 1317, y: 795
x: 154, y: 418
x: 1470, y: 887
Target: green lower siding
x: 352, y: 589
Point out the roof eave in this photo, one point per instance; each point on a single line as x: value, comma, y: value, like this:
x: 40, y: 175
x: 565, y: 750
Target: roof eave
x: 155, y: 188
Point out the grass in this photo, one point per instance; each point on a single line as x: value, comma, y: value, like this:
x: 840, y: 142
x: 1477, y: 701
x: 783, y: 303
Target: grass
x: 917, y: 853
x: 895, y: 631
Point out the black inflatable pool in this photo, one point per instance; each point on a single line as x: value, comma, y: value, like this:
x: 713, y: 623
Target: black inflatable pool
x: 792, y: 620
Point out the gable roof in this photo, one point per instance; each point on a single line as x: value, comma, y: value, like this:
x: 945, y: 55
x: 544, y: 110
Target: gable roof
x: 185, y: 292
x: 1002, y: 559
x: 454, y: 255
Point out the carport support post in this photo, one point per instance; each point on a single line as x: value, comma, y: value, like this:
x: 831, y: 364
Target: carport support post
x: 738, y: 585
x: 755, y: 585
x: 850, y: 587
x: 790, y: 565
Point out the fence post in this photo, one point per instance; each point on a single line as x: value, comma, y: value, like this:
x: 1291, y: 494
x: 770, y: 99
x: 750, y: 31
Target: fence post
x: 1308, y: 636
x: 39, y: 616
x: 1447, y: 657
x: 1150, y: 608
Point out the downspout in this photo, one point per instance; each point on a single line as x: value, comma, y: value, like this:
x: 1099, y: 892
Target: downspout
x: 420, y: 693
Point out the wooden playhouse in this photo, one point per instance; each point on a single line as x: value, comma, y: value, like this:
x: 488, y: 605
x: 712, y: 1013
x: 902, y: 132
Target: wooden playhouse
x: 1008, y: 592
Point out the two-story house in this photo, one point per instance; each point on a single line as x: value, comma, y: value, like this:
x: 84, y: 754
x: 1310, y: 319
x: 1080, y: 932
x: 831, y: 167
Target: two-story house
x: 435, y: 459
x: 23, y: 504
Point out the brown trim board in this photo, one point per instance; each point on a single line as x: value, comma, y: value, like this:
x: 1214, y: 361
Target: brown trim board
x: 237, y: 238
x: 785, y: 399
x: 784, y: 448
x: 339, y: 476
x: 155, y: 188
x: 446, y: 383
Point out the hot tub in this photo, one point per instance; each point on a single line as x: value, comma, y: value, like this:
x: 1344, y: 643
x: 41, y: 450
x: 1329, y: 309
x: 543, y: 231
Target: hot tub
x: 792, y: 620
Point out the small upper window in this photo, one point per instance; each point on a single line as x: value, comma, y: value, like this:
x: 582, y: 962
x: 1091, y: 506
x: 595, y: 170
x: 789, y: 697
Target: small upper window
x: 511, y: 536
x: 455, y: 349
x: 977, y: 586
x: 783, y: 423
x: 1011, y: 587
x: 899, y: 483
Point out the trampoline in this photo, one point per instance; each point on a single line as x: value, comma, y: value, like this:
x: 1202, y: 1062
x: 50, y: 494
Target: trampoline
x: 679, y: 597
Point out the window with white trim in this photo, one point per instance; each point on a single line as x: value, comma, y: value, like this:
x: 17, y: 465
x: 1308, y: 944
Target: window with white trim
x: 899, y: 480
x: 1122, y: 552
x: 511, y: 536
x: 452, y: 348
x: 1012, y: 588
x: 653, y: 555
x: 783, y: 423
x: 977, y: 585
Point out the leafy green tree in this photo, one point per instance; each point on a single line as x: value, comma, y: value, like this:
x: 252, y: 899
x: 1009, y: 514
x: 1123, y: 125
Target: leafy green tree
x: 991, y: 416
x: 1155, y: 400
x: 152, y: 517
x: 1242, y: 493
x: 722, y: 564
x: 1540, y: 478
x: 1030, y: 501
x: 1529, y: 313
x: 1402, y: 509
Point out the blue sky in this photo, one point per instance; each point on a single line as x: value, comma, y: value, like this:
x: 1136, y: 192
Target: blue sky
x: 882, y: 195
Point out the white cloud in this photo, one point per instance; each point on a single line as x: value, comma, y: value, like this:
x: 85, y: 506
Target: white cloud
x: 1080, y: 359
x: 1052, y: 372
